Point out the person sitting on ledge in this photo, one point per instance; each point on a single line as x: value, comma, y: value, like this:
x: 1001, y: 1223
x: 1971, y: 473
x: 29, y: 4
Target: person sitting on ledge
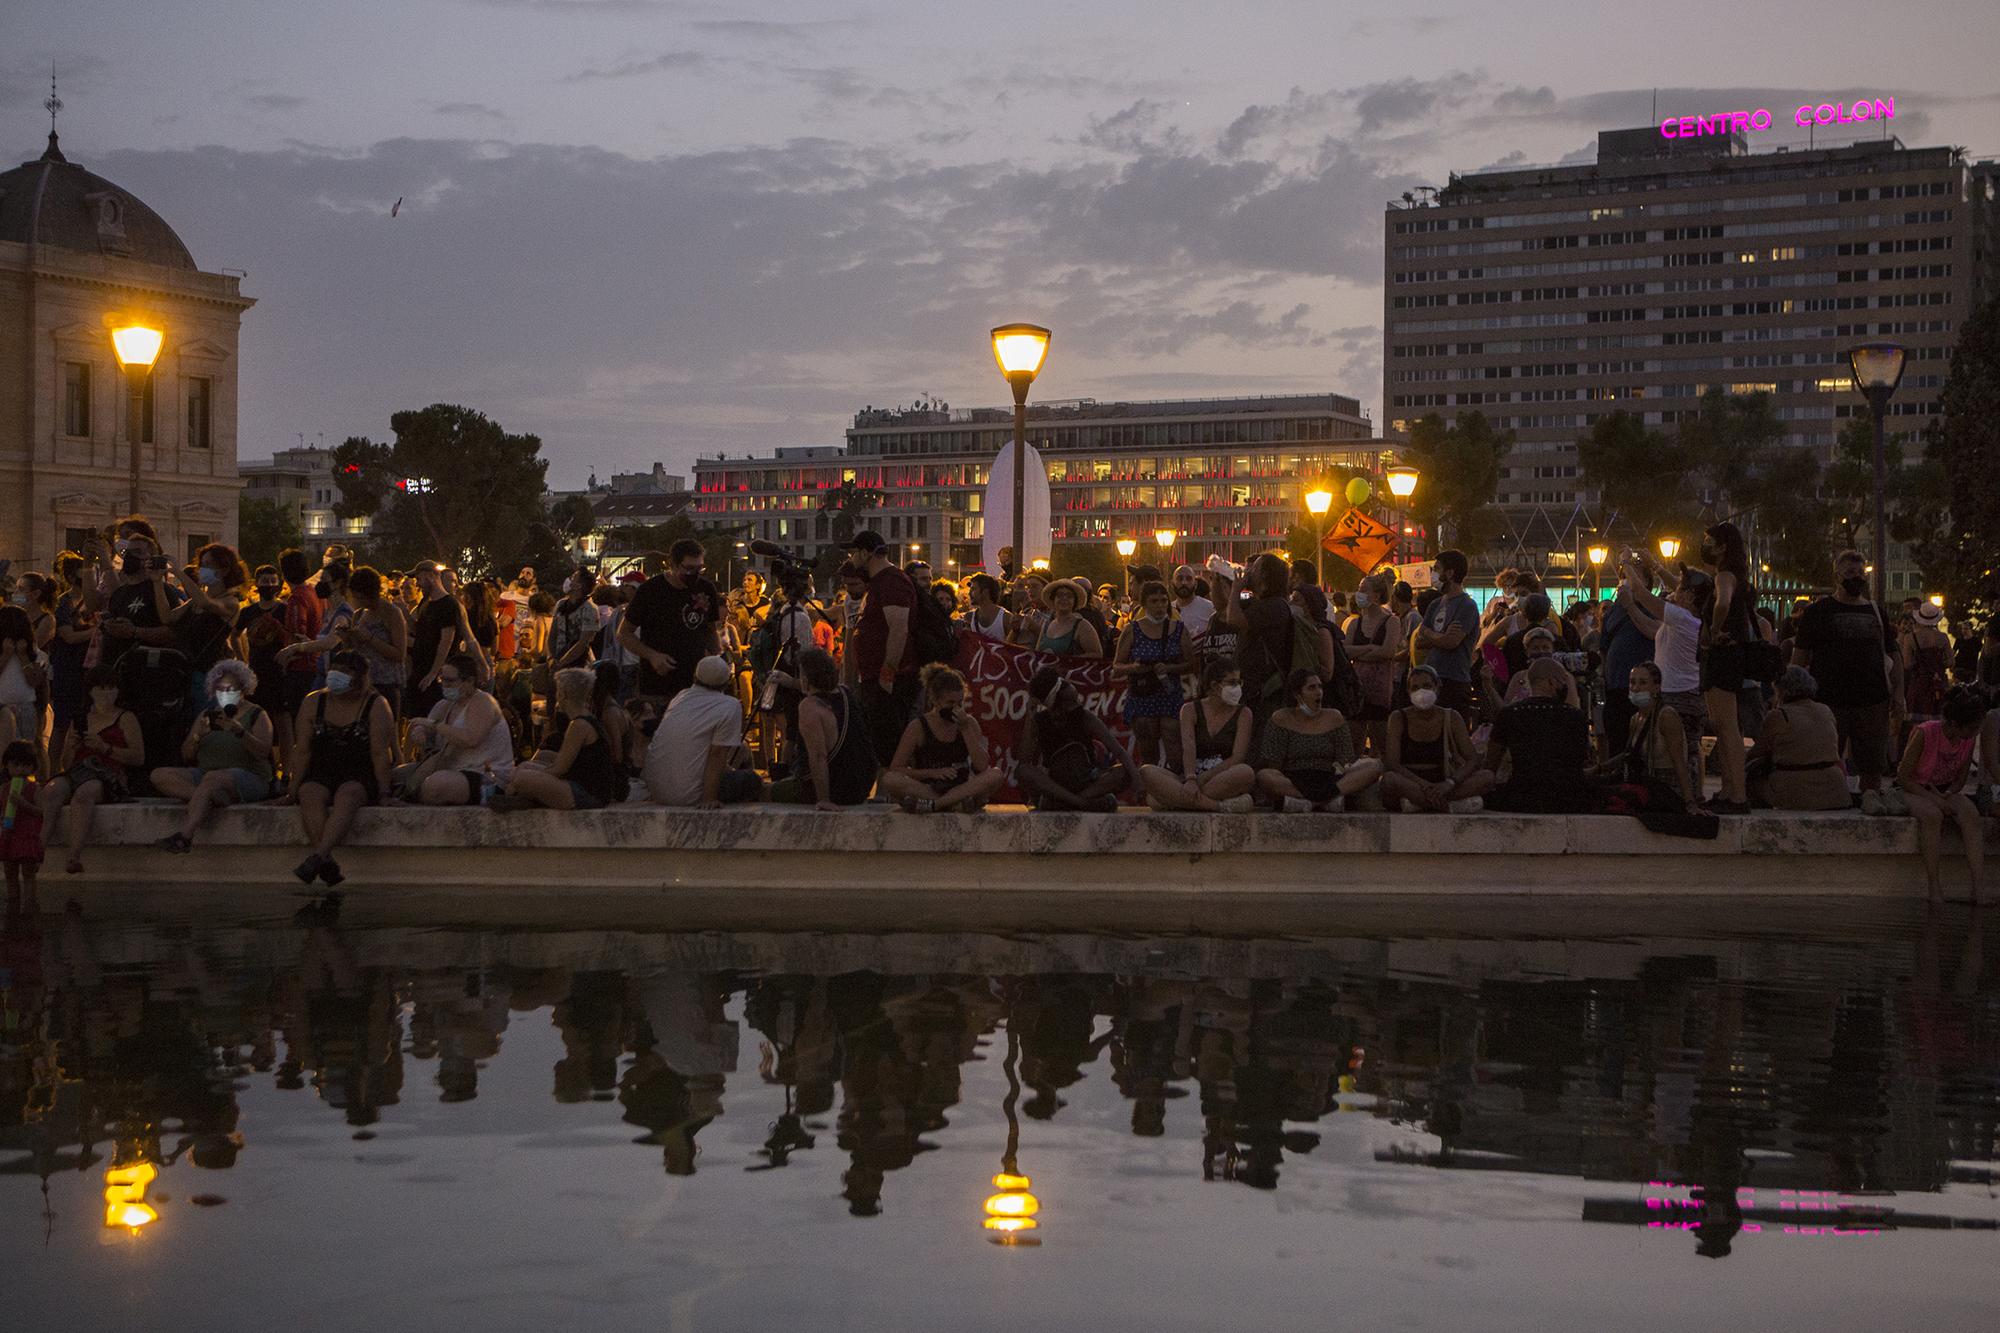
x: 1068, y: 759
x: 1538, y: 643
x: 345, y: 736
x: 1797, y: 764
x: 1307, y: 761
x: 840, y: 762
x: 230, y: 745
x: 1932, y: 778
x: 941, y: 763
x: 100, y: 751
x: 1432, y: 765
x: 692, y: 758
x: 1215, y: 748
x: 1546, y: 744
x: 583, y: 772
x: 468, y: 739
x: 1654, y: 759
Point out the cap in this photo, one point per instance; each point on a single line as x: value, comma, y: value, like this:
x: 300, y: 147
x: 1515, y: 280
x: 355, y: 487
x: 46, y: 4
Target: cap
x: 713, y: 672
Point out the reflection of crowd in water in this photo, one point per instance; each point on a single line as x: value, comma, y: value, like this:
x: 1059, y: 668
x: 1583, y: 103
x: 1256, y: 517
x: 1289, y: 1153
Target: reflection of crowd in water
x: 1875, y: 1080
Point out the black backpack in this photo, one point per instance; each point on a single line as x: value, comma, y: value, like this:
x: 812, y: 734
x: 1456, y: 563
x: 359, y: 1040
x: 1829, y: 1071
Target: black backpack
x: 932, y: 636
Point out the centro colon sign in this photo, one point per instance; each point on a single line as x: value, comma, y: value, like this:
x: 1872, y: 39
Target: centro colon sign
x: 1739, y: 122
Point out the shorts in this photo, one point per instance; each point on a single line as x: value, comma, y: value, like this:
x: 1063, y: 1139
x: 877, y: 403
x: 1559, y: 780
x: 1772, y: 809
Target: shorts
x: 1315, y: 784
x: 584, y: 800
x: 249, y: 786
x: 1693, y: 711
x: 1864, y: 735
x: 1722, y: 668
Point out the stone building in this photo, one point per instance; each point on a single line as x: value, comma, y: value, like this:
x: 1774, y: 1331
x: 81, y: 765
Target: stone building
x: 79, y: 255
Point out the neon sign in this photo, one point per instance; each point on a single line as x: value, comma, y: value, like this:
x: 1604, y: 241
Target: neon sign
x: 1741, y: 122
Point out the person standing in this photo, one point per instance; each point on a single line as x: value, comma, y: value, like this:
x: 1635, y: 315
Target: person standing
x: 1449, y: 634
x: 672, y: 624
x: 1844, y: 641
x: 885, y: 664
x: 984, y: 615
x: 1623, y: 647
x: 1674, y: 626
x: 1191, y: 609
x: 1732, y: 628
x: 1926, y: 655
x: 1374, y: 639
x: 438, y: 631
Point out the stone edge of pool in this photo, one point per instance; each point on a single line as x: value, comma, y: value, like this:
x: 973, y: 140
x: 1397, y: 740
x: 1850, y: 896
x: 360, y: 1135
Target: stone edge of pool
x: 1012, y: 849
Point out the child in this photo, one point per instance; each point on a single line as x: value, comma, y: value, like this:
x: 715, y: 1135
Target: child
x: 20, y: 820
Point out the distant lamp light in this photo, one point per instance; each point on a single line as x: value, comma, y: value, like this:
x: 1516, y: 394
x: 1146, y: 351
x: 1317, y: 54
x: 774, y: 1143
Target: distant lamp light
x: 1318, y: 501
x: 1598, y: 554
x: 1669, y: 547
x: 1402, y: 482
x: 1164, y: 538
x: 138, y: 347
x: 1126, y: 547
x: 1039, y: 563
x: 1937, y: 600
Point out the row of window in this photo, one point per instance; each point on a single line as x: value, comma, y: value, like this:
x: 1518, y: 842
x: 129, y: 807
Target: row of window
x: 1857, y: 194
x: 78, y: 405
x: 1151, y: 435
x: 1573, y: 240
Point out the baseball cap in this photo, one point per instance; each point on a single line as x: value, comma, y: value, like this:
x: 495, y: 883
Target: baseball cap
x: 713, y: 672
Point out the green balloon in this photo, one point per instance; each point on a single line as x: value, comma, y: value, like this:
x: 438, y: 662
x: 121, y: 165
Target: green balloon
x: 1358, y: 491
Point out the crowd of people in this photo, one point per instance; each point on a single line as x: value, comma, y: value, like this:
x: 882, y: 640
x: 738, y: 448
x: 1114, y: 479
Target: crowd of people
x: 333, y: 686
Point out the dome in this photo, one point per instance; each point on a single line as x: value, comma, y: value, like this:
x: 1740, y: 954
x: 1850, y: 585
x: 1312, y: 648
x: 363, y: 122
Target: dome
x: 77, y: 210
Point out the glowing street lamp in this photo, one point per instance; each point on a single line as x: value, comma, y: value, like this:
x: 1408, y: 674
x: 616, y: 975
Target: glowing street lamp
x: 1669, y: 547
x: 1878, y: 369
x: 1318, y: 501
x: 1126, y: 546
x: 1937, y: 600
x: 1164, y: 539
x: 1039, y: 564
x: 1402, y: 482
x: 1019, y: 348
x: 138, y: 347
x: 1598, y: 553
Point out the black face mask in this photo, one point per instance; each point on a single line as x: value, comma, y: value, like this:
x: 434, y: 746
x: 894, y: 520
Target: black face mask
x: 948, y: 714
x: 132, y: 564
x: 267, y: 592
x: 1854, y: 587
x: 323, y: 592
x: 1710, y: 556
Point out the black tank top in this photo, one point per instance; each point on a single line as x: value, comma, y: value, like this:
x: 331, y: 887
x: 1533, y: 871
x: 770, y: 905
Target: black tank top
x: 1424, y: 756
x: 592, y: 768
x: 934, y: 753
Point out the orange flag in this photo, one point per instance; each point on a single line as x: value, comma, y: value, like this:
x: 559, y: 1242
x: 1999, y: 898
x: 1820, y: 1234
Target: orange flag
x: 1360, y: 540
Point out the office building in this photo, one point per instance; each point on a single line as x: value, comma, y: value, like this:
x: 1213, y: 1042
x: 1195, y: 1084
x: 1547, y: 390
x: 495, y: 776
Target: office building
x: 1549, y: 297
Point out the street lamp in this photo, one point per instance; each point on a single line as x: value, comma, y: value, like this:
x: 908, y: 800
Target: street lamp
x: 1126, y: 547
x: 1164, y: 539
x: 1598, y: 553
x: 1878, y: 369
x: 1019, y: 348
x: 1318, y: 501
x: 138, y: 347
x: 1669, y: 547
x: 1402, y: 482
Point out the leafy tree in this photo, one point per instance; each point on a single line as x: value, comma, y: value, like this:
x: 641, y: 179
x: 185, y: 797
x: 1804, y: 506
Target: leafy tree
x: 718, y: 545
x: 1460, y: 465
x: 1097, y: 561
x: 453, y: 485
x: 847, y: 502
x: 264, y: 528
x: 1961, y: 554
x: 1642, y: 474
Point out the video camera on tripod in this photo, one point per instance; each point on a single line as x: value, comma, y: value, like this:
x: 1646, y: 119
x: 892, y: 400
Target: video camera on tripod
x: 789, y: 569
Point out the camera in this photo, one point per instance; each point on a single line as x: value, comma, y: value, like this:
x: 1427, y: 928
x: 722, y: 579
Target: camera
x: 158, y: 562
x: 786, y: 565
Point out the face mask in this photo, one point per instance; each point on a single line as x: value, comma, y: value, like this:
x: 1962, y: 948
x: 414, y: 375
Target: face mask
x: 131, y: 563
x: 1308, y: 710
x: 339, y: 682
x: 1855, y: 587
x: 1642, y: 698
x: 228, y: 698
x: 1423, y: 700
x: 1231, y: 695
x: 22, y: 599
x: 267, y: 592
x: 209, y: 578
x: 1155, y: 617
x: 1360, y: 600
x: 948, y: 714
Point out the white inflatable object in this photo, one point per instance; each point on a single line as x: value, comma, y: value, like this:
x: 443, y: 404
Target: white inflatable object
x: 1000, y: 509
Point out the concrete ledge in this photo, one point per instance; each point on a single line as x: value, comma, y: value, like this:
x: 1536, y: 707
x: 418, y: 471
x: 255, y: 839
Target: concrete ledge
x: 649, y: 848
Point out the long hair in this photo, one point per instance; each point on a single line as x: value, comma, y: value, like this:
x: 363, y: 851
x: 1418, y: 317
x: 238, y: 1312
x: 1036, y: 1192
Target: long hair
x: 1734, y: 554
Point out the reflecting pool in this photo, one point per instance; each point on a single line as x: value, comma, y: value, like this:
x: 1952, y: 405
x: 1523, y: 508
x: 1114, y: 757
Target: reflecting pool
x: 299, y: 1119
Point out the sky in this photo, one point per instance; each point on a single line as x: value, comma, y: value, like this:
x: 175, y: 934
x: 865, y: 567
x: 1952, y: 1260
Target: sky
x: 651, y: 230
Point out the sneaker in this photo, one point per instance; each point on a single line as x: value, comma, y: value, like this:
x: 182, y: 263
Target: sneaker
x: 1466, y: 805
x: 308, y: 869
x: 1338, y: 805
x: 1298, y: 805
x: 1871, y: 803
x: 1239, y: 805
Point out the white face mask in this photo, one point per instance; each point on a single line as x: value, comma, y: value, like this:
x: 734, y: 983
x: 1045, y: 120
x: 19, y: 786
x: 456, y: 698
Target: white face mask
x: 339, y: 682
x: 1424, y: 700
x: 1308, y: 710
x: 454, y: 692
x: 1360, y: 600
x: 1642, y: 698
x: 1231, y: 694
x: 228, y: 698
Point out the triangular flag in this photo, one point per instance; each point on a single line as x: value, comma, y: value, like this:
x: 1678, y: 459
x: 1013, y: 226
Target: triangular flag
x: 1360, y: 540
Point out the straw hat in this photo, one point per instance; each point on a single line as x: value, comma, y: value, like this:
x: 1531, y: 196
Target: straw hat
x: 1080, y: 588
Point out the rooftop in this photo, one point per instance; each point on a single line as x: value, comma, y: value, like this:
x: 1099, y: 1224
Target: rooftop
x: 1075, y: 409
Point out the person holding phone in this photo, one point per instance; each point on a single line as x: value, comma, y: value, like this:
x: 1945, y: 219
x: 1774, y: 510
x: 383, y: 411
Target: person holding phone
x: 228, y: 748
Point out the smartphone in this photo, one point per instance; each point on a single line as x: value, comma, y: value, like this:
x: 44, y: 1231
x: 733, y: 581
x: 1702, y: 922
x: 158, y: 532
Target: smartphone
x: 158, y: 562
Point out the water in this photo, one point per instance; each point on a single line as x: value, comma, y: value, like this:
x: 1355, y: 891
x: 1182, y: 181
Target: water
x: 355, y: 1120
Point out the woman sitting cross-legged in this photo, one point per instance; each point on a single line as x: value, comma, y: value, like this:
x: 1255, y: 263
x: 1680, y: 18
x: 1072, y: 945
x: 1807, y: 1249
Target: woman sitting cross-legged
x: 468, y: 739
x: 1652, y: 766
x: 840, y: 768
x: 230, y: 748
x: 1432, y: 765
x: 1068, y: 758
x: 583, y: 772
x: 345, y: 738
x: 1932, y: 778
x: 1307, y: 760
x: 102, y: 747
x: 1215, y: 749
x: 1797, y: 761
x: 940, y: 762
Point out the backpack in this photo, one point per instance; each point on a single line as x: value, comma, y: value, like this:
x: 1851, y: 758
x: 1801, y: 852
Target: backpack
x: 932, y: 635
x: 1344, y: 689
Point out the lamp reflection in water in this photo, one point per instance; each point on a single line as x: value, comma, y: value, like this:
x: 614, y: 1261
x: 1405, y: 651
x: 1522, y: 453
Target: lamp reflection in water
x: 125, y: 1195
x: 1010, y: 1214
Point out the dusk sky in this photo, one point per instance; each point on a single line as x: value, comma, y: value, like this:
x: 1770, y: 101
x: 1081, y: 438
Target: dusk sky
x: 655, y: 230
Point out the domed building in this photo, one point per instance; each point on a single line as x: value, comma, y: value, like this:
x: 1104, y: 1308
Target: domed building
x: 78, y: 257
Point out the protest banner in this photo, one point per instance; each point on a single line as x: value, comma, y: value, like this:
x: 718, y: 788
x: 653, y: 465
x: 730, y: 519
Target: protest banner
x: 997, y: 676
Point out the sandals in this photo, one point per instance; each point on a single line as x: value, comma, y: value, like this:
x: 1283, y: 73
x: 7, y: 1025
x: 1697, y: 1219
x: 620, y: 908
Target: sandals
x: 308, y: 869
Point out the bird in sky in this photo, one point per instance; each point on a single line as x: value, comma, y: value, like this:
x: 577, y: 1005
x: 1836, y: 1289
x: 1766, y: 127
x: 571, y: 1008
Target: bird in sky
x: 396, y: 207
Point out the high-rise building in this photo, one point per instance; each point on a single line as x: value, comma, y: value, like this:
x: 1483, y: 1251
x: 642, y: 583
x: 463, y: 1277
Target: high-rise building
x: 1549, y: 297
x: 1225, y: 475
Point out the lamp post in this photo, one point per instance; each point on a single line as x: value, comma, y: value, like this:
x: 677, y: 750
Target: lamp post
x: 1598, y: 553
x: 1877, y: 370
x: 138, y: 347
x: 1402, y: 481
x: 1164, y: 539
x: 1126, y: 548
x: 1318, y: 501
x: 1669, y: 547
x: 1019, y: 348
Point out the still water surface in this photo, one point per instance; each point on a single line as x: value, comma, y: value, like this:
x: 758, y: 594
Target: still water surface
x: 304, y: 1123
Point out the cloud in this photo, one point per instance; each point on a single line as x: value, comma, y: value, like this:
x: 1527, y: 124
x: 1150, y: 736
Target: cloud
x: 766, y: 30
x: 274, y: 101
x: 1132, y: 130
x: 477, y: 110
x: 633, y: 66
x: 24, y: 78
x: 583, y: 8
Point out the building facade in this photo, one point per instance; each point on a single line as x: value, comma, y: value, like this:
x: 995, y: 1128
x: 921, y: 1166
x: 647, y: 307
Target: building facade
x: 302, y: 480
x: 1547, y: 298
x: 1225, y: 475
x: 78, y: 256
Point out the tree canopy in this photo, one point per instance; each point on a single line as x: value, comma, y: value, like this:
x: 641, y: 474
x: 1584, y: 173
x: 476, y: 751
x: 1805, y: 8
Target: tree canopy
x: 452, y: 485
x: 264, y: 528
x: 1460, y: 467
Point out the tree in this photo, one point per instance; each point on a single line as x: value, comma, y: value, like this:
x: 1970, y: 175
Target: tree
x: 1960, y: 554
x: 453, y: 486
x: 1097, y: 561
x: 718, y: 545
x: 264, y: 528
x: 847, y: 503
x: 1641, y: 473
x: 1460, y: 465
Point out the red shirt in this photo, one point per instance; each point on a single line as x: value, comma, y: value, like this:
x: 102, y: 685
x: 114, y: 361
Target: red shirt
x: 303, y: 617
x: 892, y: 587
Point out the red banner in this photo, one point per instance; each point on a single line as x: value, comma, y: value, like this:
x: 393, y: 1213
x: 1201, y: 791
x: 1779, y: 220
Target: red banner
x: 997, y: 676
